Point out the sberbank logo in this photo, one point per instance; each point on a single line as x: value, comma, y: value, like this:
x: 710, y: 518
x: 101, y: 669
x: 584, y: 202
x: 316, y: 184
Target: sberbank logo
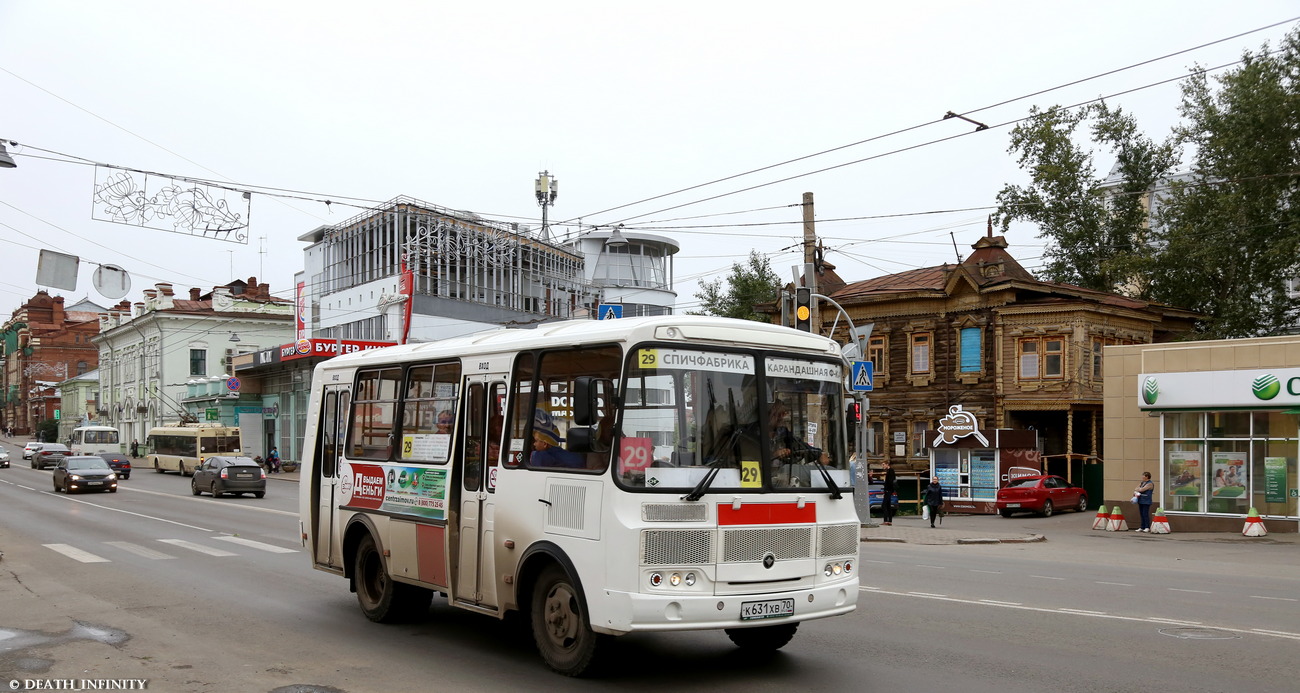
x: 1266, y: 386
x: 1150, y: 390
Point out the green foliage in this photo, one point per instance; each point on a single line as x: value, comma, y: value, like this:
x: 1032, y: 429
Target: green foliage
x: 1222, y: 239
x: 1230, y: 232
x: 1095, y: 228
x: 747, y: 286
x: 49, y: 431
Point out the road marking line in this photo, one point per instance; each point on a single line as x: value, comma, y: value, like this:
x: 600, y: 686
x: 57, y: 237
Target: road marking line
x: 1113, y: 617
x: 1117, y: 584
x: 29, y: 488
x: 75, y: 553
x: 1280, y: 599
x: 1179, y: 621
x: 206, y: 499
x: 1083, y: 611
x: 128, y: 512
x: 138, y: 550
x: 994, y: 601
x: 1046, y: 577
x: 197, y: 547
x: 990, y: 572
x: 1175, y: 589
x: 932, y: 567
x: 254, y: 544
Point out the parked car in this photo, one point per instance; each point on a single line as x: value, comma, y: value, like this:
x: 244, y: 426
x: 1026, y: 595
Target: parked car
x: 84, y: 473
x: 120, y: 464
x: 1043, y: 494
x: 30, y: 449
x: 50, y: 455
x: 221, y: 474
x: 876, y: 494
x: 4, y: 458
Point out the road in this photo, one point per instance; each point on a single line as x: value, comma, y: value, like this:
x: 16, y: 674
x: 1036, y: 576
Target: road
x: 197, y: 594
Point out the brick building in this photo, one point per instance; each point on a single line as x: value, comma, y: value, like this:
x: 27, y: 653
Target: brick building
x: 43, y: 343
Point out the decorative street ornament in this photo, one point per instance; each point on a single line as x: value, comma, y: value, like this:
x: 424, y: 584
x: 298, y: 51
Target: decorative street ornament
x: 170, y: 204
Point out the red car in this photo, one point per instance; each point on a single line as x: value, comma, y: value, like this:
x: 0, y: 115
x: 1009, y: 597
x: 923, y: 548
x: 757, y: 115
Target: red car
x: 1043, y: 494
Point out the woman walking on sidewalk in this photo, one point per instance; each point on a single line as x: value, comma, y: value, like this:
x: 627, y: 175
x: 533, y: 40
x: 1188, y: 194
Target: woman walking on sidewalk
x: 933, y: 499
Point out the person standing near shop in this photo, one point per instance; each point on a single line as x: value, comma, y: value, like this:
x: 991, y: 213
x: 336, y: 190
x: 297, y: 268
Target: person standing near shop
x: 1144, y: 491
x: 933, y: 498
x: 135, y: 448
x: 887, y: 501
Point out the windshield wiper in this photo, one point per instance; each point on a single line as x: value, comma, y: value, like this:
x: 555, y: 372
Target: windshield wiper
x: 830, y: 483
x: 698, y: 492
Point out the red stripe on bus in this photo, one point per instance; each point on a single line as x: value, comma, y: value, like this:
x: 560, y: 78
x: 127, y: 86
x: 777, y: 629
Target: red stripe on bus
x: 767, y: 514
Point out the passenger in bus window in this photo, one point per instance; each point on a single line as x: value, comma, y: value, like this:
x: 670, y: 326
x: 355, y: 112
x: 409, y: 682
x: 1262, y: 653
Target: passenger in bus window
x: 444, y: 421
x: 546, y: 445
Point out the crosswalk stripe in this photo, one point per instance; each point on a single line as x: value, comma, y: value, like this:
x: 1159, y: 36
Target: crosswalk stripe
x: 197, y: 547
x: 138, y: 550
x: 255, y: 544
x: 76, y: 554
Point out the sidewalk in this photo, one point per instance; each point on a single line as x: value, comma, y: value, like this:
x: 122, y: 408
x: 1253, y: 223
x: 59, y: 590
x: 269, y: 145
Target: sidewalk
x: 1028, y: 529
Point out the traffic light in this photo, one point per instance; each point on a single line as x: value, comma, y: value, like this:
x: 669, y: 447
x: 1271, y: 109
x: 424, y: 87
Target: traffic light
x: 855, y: 412
x: 803, y: 308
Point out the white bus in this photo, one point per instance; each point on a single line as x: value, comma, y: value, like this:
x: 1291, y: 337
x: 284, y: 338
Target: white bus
x: 92, y: 440
x: 183, y: 447
x: 668, y: 505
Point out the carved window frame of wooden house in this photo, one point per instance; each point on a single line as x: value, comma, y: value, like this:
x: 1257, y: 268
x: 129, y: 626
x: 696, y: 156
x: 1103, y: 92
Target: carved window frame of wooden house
x: 878, y: 355
x: 1048, y: 361
x: 920, y: 343
x: 960, y: 333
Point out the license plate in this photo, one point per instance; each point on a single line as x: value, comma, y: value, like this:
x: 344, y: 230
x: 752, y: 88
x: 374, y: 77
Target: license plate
x: 772, y: 608
x: 1013, y: 505
x: 94, y: 483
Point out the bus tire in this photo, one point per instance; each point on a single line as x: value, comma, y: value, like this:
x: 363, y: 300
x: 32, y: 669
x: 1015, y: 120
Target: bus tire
x: 182, y: 467
x: 763, y: 638
x: 561, y: 625
x: 156, y: 468
x: 382, y: 599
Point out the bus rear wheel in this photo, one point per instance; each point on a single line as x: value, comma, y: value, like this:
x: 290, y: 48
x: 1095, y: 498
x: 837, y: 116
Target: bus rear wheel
x: 382, y: 599
x: 561, y: 625
x: 763, y: 638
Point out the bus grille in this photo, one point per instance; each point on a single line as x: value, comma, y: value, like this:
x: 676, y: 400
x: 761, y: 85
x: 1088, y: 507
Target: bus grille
x: 674, y: 512
x: 753, y: 544
x: 839, y: 540
x: 676, y: 547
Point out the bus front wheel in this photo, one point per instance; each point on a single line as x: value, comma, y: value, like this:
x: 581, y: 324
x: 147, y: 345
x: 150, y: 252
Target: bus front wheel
x: 763, y: 638
x: 382, y: 599
x: 156, y: 467
x: 561, y: 625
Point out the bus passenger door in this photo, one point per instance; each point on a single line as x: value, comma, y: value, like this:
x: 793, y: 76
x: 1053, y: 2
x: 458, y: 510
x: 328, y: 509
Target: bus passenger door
x: 325, y: 473
x: 481, y: 432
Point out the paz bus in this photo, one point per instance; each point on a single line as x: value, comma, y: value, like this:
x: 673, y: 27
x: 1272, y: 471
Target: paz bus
x: 183, y: 447
x: 92, y: 440
x: 662, y: 473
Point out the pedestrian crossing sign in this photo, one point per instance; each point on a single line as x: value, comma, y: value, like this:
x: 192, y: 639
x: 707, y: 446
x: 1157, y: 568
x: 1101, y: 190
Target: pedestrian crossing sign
x: 863, y: 374
x: 609, y: 311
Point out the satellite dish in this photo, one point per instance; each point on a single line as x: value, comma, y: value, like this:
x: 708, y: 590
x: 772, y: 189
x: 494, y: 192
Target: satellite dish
x: 112, y: 281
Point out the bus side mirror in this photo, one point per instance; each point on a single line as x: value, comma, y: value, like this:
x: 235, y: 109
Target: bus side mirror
x: 579, y: 439
x: 586, y: 389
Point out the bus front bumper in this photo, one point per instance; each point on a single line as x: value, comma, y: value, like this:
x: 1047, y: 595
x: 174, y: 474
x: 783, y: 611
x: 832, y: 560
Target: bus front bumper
x: 626, y: 612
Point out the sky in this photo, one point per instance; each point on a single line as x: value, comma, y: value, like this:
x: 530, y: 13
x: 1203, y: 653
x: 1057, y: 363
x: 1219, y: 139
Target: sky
x: 702, y: 121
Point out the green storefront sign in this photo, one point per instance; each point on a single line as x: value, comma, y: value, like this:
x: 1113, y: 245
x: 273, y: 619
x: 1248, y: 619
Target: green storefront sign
x: 1275, y: 480
x: 213, y: 414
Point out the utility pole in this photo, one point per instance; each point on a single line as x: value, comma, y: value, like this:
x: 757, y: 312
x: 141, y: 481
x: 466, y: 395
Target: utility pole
x: 809, y: 258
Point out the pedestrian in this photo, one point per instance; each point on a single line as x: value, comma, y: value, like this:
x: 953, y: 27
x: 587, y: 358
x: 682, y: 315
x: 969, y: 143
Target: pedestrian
x: 933, y: 499
x: 135, y: 448
x: 273, y: 461
x: 1143, y: 494
x: 887, y: 502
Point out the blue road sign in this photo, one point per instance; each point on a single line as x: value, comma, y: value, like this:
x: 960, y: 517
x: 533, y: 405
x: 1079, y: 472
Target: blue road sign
x: 610, y: 311
x: 863, y: 374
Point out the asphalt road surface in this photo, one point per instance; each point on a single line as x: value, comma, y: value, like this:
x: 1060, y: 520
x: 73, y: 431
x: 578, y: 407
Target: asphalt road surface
x: 202, y: 594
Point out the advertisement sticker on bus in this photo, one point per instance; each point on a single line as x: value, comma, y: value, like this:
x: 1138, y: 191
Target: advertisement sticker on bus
x: 397, y: 489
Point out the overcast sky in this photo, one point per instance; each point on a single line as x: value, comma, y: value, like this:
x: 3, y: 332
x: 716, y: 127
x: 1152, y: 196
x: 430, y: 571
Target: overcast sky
x: 462, y: 104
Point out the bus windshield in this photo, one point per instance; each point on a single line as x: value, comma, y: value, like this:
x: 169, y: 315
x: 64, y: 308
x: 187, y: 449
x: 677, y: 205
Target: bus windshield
x: 762, y: 421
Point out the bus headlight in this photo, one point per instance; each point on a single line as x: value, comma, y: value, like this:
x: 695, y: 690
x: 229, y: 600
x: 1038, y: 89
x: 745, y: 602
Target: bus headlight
x: 690, y: 579
x: 656, y: 579
x: 675, y: 579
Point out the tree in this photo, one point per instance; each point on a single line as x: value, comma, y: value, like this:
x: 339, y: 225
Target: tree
x: 1095, y: 228
x: 1222, y: 238
x: 747, y: 286
x: 1229, y: 234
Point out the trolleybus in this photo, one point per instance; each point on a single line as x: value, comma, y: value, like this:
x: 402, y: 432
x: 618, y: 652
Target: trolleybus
x: 92, y: 440
x: 663, y: 473
x: 183, y: 447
